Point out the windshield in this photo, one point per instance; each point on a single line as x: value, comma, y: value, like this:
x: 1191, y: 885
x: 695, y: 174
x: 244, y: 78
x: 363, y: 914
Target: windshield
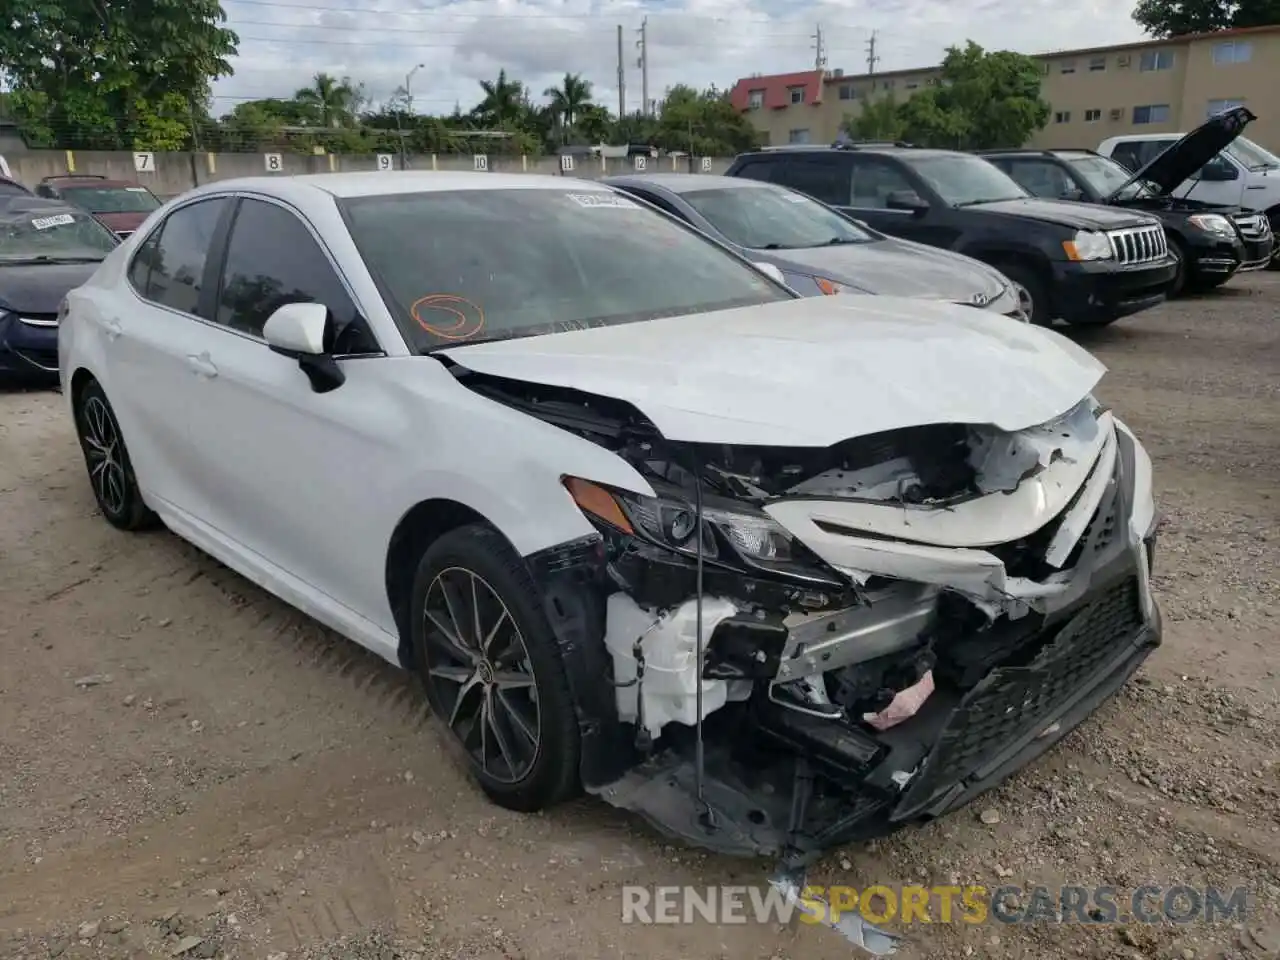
x: 40, y: 235
x: 961, y: 180
x: 771, y: 218
x: 1251, y: 156
x: 1106, y: 176
x: 111, y: 199
x: 464, y: 266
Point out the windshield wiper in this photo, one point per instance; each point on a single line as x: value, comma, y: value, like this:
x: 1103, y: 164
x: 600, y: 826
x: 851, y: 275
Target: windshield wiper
x: 45, y: 258
x: 974, y: 203
x: 836, y: 241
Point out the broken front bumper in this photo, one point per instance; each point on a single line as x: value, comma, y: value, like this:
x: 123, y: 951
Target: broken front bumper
x: 956, y: 748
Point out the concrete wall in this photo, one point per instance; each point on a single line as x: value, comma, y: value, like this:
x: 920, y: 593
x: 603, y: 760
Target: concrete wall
x: 173, y: 173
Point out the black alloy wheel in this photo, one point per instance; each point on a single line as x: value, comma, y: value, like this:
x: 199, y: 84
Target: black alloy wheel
x: 115, y: 487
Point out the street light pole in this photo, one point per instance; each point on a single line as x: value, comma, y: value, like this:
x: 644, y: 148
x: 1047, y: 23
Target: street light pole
x: 408, y: 106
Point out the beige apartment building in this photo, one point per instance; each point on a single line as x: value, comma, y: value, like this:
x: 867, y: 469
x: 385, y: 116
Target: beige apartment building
x: 1157, y: 86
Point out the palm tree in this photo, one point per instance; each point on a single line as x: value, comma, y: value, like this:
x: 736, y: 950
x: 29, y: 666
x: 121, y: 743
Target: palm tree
x: 503, y: 101
x: 569, y: 99
x: 334, y: 101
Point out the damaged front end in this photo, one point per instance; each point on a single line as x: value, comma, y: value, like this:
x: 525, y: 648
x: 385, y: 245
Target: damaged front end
x: 888, y: 626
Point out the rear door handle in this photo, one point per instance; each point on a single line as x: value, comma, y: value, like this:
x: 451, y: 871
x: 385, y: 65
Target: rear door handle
x: 201, y: 365
x: 112, y: 328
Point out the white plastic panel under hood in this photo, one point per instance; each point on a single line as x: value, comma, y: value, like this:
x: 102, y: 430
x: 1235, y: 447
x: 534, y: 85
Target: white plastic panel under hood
x: 810, y: 372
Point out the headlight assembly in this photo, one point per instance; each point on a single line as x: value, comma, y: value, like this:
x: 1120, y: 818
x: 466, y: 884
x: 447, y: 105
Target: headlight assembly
x: 1088, y: 245
x: 1214, y: 223
x: 733, y: 534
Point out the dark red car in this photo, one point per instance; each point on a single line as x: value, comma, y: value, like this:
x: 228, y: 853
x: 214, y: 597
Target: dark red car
x: 120, y: 205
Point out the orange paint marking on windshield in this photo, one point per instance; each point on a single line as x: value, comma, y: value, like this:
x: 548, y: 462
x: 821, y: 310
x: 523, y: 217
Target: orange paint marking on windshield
x: 467, y: 317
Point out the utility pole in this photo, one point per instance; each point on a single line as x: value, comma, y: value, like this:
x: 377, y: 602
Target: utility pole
x: 820, y: 50
x: 643, y: 64
x: 872, y: 58
x: 622, y: 78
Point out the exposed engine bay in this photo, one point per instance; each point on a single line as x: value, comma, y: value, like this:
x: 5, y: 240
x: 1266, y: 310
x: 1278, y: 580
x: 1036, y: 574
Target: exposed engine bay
x: 810, y: 645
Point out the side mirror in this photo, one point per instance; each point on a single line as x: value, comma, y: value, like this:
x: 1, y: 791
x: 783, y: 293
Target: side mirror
x: 907, y: 200
x: 302, y: 331
x: 1218, y: 171
x: 771, y: 271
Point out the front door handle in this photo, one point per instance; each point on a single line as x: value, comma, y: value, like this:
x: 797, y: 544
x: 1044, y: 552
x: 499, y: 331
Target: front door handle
x: 201, y: 365
x: 112, y: 328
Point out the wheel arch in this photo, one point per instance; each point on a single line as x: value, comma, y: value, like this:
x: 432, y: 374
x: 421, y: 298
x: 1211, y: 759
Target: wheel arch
x: 80, y: 379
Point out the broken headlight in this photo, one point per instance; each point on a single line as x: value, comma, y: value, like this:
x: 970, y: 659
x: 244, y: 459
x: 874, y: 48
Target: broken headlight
x: 732, y: 534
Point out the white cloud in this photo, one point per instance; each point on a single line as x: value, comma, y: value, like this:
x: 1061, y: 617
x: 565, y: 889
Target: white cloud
x: 377, y: 42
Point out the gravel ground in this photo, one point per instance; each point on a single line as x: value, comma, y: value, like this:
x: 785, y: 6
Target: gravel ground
x: 189, y: 767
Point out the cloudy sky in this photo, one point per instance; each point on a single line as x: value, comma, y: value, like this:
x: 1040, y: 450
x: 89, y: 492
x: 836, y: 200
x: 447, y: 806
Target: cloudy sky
x: 376, y: 42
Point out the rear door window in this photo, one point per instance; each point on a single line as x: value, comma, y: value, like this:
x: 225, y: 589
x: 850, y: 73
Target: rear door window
x: 823, y: 178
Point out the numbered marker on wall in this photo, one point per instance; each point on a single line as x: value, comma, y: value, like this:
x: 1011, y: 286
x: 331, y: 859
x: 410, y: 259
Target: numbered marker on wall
x: 144, y: 162
x: 274, y: 162
x: 385, y: 161
x: 566, y: 163
x: 706, y: 164
x: 481, y: 161
x: 640, y: 164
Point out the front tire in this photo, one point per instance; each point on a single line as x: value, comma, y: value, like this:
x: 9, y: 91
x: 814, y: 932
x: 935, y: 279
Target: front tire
x: 492, y: 669
x: 115, y: 487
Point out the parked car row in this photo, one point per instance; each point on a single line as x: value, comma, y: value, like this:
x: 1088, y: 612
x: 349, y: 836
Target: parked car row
x: 773, y: 571
x: 752, y: 505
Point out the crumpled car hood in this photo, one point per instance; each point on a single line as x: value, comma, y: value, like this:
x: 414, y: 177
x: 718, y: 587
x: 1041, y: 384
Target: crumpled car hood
x: 810, y: 372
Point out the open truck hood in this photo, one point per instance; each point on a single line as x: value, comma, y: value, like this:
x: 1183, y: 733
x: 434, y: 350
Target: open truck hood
x: 1171, y: 168
x: 810, y: 372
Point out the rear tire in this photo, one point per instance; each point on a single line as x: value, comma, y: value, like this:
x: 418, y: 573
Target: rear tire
x: 1034, y: 287
x: 492, y: 669
x: 111, y: 475
x: 1273, y: 215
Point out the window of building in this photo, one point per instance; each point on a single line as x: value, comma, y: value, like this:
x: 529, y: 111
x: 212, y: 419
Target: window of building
x: 797, y: 94
x: 1222, y: 106
x: 848, y: 91
x: 798, y: 136
x: 1151, y: 113
x: 1062, y: 116
x: 1233, y: 51
x: 1097, y: 63
x: 1067, y: 66
x: 1156, y: 60
x: 1092, y: 116
x: 755, y: 99
x: 887, y: 85
x: 912, y: 85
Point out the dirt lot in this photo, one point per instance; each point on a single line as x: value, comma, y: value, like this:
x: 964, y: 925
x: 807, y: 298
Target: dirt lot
x: 182, y: 756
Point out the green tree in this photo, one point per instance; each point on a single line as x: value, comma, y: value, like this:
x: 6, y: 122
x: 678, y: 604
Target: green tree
x: 331, y: 102
x: 880, y: 119
x: 982, y: 101
x: 83, y: 71
x: 504, y: 103
x: 1176, y: 18
x: 567, y: 102
x: 701, y: 123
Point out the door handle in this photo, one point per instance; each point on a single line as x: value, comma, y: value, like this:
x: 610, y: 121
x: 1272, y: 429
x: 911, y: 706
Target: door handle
x: 201, y: 365
x: 112, y: 328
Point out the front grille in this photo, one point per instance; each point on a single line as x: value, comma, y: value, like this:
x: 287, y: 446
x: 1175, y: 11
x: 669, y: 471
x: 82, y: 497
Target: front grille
x: 1138, y: 244
x: 1013, y: 701
x: 1252, y: 226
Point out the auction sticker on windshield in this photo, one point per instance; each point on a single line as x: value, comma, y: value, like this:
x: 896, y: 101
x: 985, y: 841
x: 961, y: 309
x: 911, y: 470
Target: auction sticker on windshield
x: 61, y: 220
x: 602, y: 200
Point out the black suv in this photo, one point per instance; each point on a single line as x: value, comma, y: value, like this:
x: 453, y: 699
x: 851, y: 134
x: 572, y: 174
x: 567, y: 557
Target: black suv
x: 1085, y: 264
x: 1211, y: 242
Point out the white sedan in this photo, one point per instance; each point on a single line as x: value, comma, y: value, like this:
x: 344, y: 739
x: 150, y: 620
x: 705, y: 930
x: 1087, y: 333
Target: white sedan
x: 641, y: 518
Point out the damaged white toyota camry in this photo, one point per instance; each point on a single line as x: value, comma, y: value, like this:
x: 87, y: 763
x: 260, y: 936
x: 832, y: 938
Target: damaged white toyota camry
x: 774, y: 573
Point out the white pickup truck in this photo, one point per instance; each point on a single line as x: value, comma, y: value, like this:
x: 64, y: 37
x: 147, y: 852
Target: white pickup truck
x: 1243, y: 174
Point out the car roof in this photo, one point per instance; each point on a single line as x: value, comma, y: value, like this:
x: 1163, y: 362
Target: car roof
x: 1033, y: 152
x: 854, y: 149
x: 377, y: 184
x: 81, y: 181
x: 685, y: 182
